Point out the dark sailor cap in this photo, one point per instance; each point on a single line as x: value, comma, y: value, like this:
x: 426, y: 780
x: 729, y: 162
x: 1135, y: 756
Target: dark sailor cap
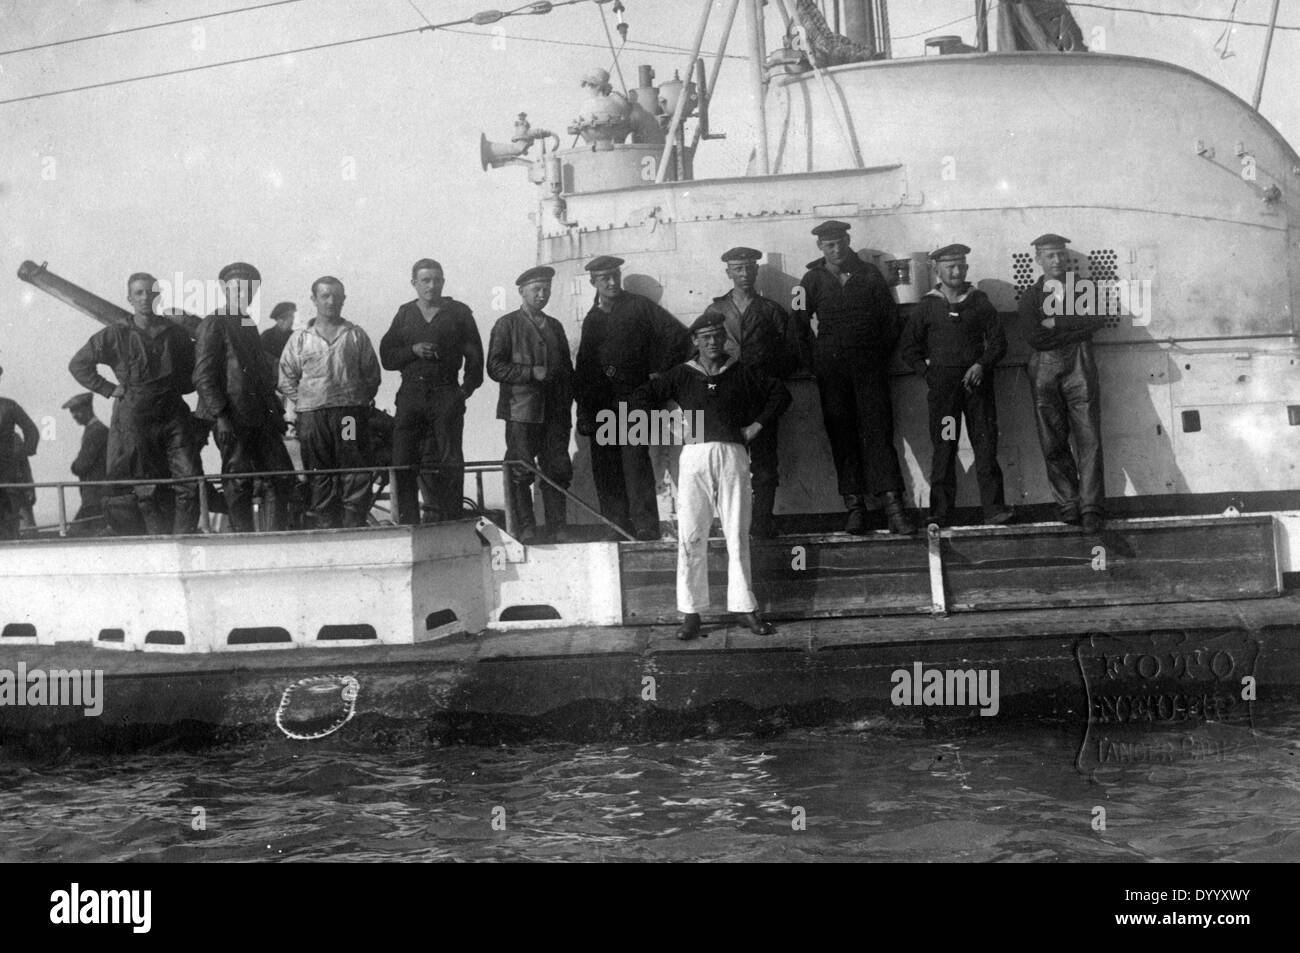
x: 284, y: 307
x: 1043, y: 241
x: 603, y: 264
x: 831, y: 229
x: 707, y: 321
x: 741, y: 254
x: 81, y: 400
x: 239, y: 269
x: 540, y: 273
x: 955, y: 250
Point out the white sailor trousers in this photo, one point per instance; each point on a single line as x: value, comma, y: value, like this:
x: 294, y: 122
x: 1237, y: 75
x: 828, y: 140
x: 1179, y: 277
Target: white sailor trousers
x: 713, y: 477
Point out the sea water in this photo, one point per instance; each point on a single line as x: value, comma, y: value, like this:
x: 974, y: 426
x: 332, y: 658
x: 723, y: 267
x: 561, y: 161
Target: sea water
x: 881, y: 789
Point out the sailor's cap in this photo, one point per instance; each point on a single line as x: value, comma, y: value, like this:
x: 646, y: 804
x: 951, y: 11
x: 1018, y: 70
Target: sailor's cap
x: 948, y: 252
x: 239, y: 269
x: 596, y: 76
x: 284, y: 307
x: 80, y: 400
x: 741, y: 254
x: 1049, y: 240
x: 707, y: 322
x: 831, y: 229
x: 540, y: 273
x: 603, y: 264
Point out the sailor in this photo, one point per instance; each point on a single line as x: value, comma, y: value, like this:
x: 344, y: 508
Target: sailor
x: 528, y: 354
x: 1063, y: 375
x: 726, y: 405
x: 24, y: 500
x: 603, y: 105
x: 761, y: 335
x: 429, y: 341
x: 12, y: 420
x: 237, y: 394
x: 626, y: 339
x: 274, y: 338
x: 953, y: 340
x: 151, y: 432
x: 330, y: 373
x: 857, y: 327
x: 91, y: 463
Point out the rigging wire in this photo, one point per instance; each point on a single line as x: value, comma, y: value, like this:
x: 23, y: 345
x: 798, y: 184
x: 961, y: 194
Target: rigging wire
x: 479, y: 19
x: 1180, y: 16
x: 146, y: 26
x: 609, y: 37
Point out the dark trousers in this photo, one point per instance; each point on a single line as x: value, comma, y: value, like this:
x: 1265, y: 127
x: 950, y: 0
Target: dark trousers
x: 428, y: 430
x: 141, y: 446
x: 9, y: 518
x: 546, y: 445
x: 625, y: 486
x: 250, y: 450
x: 859, y: 418
x: 1067, y: 405
x: 763, y: 463
x: 335, y: 438
x: 949, y: 401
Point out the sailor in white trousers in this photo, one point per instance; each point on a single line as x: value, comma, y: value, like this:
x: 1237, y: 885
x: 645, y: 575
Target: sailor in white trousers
x: 725, y: 404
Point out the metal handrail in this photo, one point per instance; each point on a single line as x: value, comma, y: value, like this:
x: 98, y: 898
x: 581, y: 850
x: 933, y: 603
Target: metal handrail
x: 477, y: 467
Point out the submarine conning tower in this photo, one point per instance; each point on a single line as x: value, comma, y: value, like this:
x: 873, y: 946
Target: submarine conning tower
x: 1170, y: 187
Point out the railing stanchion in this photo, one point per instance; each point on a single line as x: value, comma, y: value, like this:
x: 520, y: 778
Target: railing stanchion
x: 393, y: 508
x: 63, y: 512
x: 205, y: 515
x: 512, y: 518
x: 478, y: 482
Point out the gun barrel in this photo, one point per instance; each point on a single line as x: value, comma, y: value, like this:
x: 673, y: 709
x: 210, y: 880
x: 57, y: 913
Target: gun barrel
x: 88, y: 303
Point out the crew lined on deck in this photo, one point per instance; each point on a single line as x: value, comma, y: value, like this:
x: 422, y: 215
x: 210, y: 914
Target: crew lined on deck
x: 630, y: 349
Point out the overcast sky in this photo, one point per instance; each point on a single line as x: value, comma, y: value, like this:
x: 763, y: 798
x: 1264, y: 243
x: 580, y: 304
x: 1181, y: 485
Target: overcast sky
x: 357, y: 160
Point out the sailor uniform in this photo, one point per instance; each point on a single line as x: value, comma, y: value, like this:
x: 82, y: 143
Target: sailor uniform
x: 766, y: 338
x: 954, y: 335
x: 713, y: 470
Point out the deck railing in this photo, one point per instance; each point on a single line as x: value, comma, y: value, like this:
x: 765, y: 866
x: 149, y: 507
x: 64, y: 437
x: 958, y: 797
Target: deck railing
x: 476, y: 467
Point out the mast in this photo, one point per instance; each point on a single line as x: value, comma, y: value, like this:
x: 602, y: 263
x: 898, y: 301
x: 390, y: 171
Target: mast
x: 1263, y: 62
x: 758, y: 87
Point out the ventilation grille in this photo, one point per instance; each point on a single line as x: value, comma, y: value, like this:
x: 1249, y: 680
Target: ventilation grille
x: 1022, y: 271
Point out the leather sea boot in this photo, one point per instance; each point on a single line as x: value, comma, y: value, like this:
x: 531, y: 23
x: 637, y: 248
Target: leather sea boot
x: 690, y: 628
x: 525, y: 520
x: 555, y: 506
x: 899, y: 524
x: 756, y: 625
x: 857, y: 521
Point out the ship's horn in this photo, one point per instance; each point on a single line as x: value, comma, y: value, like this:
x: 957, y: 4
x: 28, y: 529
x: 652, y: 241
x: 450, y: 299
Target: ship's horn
x: 494, y: 155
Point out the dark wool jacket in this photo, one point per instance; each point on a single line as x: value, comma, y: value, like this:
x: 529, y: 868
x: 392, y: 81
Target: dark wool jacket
x: 620, y: 350
x: 153, y: 369
x: 730, y: 400
x: 1070, y: 329
x: 454, y: 335
x: 92, y: 461
x: 514, y: 349
x: 859, y: 315
x: 12, y: 418
x: 770, y: 339
x: 953, y: 334
x: 231, y: 374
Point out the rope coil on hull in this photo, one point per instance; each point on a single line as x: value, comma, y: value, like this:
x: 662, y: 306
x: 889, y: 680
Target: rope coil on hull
x: 348, y: 689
